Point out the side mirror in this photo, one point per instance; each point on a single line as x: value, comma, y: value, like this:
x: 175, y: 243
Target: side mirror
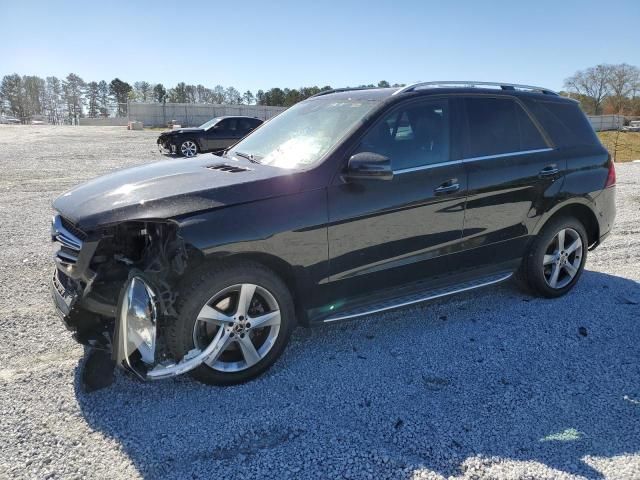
x: 369, y: 166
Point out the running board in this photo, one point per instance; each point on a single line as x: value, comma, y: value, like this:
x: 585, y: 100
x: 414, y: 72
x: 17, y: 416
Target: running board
x: 419, y: 297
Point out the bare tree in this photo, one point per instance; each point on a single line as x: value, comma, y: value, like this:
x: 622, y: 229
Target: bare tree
x: 218, y: 94
x: 248, y: 98
x: 232, y: 96
x: 623, y: 81
x: 594, y: 82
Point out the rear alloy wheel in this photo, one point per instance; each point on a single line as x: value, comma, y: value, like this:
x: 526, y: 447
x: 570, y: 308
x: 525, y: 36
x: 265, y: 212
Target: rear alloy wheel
x: 556, y: 258
x: 563, y: 258
x: 188, y: 148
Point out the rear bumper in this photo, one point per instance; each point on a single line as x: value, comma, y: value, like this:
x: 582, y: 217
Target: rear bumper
x: 605, y: 206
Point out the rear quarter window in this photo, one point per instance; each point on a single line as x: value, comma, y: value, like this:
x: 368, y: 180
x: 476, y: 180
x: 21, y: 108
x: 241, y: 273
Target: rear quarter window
x: 564, y: 122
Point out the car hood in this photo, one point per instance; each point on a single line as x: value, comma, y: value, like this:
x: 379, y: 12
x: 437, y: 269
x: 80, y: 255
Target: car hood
x: 182, y: 130
x: 172, y: 188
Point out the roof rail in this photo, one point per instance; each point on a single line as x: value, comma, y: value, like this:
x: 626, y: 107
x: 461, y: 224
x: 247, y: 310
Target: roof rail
x: 468, y: 83
x: 337, y: 90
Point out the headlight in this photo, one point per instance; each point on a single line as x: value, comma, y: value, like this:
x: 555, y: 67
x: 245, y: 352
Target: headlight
x: 138, y: 317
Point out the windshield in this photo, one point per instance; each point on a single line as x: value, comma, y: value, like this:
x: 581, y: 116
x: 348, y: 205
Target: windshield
x: 303, y: 134
x: 210, y: 123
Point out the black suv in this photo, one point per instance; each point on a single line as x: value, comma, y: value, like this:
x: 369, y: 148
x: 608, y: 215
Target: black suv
x: 212, y: 136
x: 349, y: 203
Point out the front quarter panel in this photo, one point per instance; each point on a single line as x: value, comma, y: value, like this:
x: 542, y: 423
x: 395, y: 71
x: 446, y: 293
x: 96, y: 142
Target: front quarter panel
x: 290, y: 229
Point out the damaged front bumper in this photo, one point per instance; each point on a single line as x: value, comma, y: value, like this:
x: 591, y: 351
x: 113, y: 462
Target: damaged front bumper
x: 136, y: 331
x: 124, y: 315
x: 165, y: 147
x: 133, y: 340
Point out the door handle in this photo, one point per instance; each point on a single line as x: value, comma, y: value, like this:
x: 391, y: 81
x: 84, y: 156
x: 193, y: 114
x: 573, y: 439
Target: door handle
x: 548, y: 171
x: 449, y: 186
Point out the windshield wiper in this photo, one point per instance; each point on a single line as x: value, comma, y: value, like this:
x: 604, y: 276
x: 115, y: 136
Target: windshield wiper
x: 248, y: 156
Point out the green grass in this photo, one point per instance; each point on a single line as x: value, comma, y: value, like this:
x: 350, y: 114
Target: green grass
x: 623, y: 146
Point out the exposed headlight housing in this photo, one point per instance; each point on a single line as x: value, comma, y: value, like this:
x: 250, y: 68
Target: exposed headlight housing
x: 138, y: 319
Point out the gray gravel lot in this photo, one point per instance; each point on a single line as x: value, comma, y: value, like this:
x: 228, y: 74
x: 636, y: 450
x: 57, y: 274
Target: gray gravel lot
x: 491, y: 384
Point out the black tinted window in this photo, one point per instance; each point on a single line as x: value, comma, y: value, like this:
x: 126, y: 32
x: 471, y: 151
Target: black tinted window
x: 227, y: 125
x: 564, y: 122
x: 499, y: 125
x: 412, y: 136
x: 245, y: 124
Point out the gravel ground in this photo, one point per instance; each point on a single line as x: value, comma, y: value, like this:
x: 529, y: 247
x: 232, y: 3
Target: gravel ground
x: 491, y: 384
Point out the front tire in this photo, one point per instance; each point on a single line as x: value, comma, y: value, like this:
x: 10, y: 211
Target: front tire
x: 246, y: 308
x: 188, y: 148
x: 556, y: 258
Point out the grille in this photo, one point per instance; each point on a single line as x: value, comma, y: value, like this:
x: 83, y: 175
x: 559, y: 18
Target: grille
x: 67, y: 240
x: 223, y: 167
x: 73, y: 229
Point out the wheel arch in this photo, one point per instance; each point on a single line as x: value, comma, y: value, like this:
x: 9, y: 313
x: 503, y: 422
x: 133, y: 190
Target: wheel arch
x: 582, y: 211
x: 285, y: 271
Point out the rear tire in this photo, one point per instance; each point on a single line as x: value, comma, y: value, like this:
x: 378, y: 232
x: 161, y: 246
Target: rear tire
x: 210, y: 307
x: 555, y: 259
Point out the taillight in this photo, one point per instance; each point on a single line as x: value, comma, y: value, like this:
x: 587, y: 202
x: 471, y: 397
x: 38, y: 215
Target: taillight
x: 611, y: 176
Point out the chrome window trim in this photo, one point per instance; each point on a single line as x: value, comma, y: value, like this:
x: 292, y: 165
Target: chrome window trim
x: 425, y: 167
x: 510, y: 154
x: 468, y: 160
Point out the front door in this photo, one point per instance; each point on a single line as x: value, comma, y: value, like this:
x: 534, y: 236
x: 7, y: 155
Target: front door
x: 222, y: 134
x: 386, y: 233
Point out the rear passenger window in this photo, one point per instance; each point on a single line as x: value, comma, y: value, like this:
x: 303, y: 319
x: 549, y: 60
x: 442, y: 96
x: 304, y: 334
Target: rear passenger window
x: 564, y: 122
x: 498, y: 126
x: 413, y: 136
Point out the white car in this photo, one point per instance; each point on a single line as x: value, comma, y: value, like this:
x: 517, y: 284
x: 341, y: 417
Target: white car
x: 634, y: 126
x: 9, y: 120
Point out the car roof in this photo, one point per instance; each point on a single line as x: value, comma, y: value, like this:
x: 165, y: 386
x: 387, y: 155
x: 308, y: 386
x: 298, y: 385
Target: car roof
x: 237, y: 116
x: 382, y: 94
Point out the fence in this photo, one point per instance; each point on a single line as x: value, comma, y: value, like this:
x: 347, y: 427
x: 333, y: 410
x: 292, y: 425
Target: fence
x: 193, y: 114
x: 606, y: 122
x: 103, y: 122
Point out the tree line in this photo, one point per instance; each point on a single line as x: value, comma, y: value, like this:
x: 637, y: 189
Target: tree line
x: 65, y: 100
x: 606, y: 89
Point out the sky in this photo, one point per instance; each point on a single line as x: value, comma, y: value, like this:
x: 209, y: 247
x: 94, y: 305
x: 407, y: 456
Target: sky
x: 258, y: 45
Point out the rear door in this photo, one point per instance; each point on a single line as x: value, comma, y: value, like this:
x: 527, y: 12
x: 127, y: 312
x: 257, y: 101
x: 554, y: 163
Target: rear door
x: 513, y: 172
x: 385, y: 233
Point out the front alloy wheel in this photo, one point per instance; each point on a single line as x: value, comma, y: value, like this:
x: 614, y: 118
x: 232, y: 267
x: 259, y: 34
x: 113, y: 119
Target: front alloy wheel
x: 244, y: 320
x: 241, y: 309
x: 188, y: 148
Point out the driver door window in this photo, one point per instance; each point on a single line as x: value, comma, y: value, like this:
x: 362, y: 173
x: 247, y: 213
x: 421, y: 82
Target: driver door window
x: 413, y: 136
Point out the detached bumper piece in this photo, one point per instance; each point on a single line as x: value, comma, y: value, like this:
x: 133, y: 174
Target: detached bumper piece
x: 136, y: 335
x: 166, y: 148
